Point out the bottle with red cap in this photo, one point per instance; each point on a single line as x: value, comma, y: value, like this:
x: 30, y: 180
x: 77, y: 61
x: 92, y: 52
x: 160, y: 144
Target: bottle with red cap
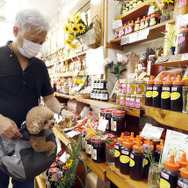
x: 183, y: 179
x: 126, y: 150
x: 136, y: 162
x: 176, y: 94
x: 117, y: 151
x: 158, y: 151
x: 169, y: 174
x: 183, y: 161
x: 149, y: 92
x: 166, y: 93
x: 157, y: 89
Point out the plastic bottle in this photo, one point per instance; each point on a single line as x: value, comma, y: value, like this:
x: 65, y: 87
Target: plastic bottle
x: 137, y: 25
x: 149, y: 92
x: 176, y: 94
x: 132, y: 138
x: 183, y: 40
x: 118, y: 150
x: 147, y: 22
x: 166, y: 93
x: 153, y: 19
x: 183, y: 179
x: 131, y: 27
x: 126, y: 150
x: 183, y: 161
x: 169, y: 174
x: 136, y: 161
x: 159, y: 149
x: 157, y: 89
x: 142, y: 25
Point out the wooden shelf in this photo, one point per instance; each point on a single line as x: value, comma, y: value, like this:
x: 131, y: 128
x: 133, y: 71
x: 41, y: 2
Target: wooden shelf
x: 68, y: 74
x: 40, y: 182
x: 167, y: 117
x: 135, y: 12
x: 154, y: 33
x: 130, y: 111
x: 122, y: 181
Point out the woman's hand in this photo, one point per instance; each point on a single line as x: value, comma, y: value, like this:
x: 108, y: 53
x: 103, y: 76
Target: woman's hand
x: 8, y: 128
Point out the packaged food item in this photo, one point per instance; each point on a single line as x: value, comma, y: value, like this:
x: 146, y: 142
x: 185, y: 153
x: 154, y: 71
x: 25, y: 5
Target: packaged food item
x: 108, y: 116
x: 132, y: 101
x: 185, y: 98
x: 183, y: 161
x: 147, y: 22
x: 151, y: 65
x: 137, y: 24
x: 131, y: 87
x: 153, y: 19
x: 140, y: 101
x: 142, y: 25
x: 158, y: 151
x: 141, y: 87
x: 183, y: 179
x: 183, y: 40
x: 182, y: 7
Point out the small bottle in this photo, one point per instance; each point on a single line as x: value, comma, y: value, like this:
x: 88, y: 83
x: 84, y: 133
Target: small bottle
x: 183, y: 179
x: 147, y: 22
x: 158, y: 151
x: 108, y: 116
x: 118, y: 150
x: 136, y: 162
x: 131, y: 27
x: 166, y: 93
x: 149, y: 92
x: 137, y: 25
x: 182, y: 7
x: 157, y: 89
x: 183, y: 161
x: 139, y: 2
x: 142, y: 25
x: 183, y: 40
x: 134, y: 3
x: 169, y: 174
x: 125, y: 31
x: 153, y: 19
x: 151, y: 65
x: 105, y: 95
x: 176, y: 95
x: 126, y: 150
x: 95, y: 84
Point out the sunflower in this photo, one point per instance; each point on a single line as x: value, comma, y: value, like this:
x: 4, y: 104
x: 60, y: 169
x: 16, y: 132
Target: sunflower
x: 75, y: 29
x: 67, y: 29
x: 76, y: 17
x: 71, y: 37
x: 82, y: 28
x: 69, y: 21
x: 74, y: 46
x: 68, y: 42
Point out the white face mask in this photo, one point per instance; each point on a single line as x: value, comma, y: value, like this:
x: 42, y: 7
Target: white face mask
x: 29, y: 49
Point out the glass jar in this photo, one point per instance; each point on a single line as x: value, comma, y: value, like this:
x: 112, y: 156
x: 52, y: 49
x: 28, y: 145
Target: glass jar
x: 132, y: 101
x: 68, y: 120
x: 118, y: 122
x: 140, y: 101
x: 118, y: 96
x: 128, y: 100
x: 124, y: 87
x: 110, y: 154
x: 151, y: 64
x: 141, y: 87
x: 98, y: 153
x: 185, y: 98
x: 183, y: 41
x: 131, y: 87
x: 108, y: 116
x: 182, y: 7
x: 123, y: 99
x: 102, y: 113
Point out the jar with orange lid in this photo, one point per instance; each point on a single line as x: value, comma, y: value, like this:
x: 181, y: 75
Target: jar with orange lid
x: 153, y: 19
x: 137, y: 24
x: 169, y: 174
x: 183, y: 179
x: 183, y: 40
x: 142, y: 24
x: 182, y: 7
x: 131, y: 27
x: 126, y: 150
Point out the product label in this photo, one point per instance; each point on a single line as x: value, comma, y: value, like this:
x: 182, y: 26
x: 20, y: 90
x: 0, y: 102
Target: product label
x: 166, y: 88
x: 127, y: 102
x: 181, y: 39
x: 117, y: 101
x: 142, y: 25
x: 137, y: 27
x: 165, y: 95
x: 129, y: 90
x: 181, y: 4
x: 124, y: 152
x: 101, y: 85
x: 138, y: 104
x: 121, y: 33
x: 124, y: 89
x: 145, y: 162
x: 116, y: 147
x: 180, y: 183
x: 155, y: 94
x: 132, y: 103
x: 132, y: 156
x: 164, y: 183
x: 175, y: 96
x: 164, y: 175
x: 174, y: 88
x: 124, y: 159
x: 88, y: 148
x: 94, y: 154
x: 116, y: 153
x: 153, y: 22
x: 132, y: 163
x: 138, y: 89
x: 113, y: 126
x: 105, y: 97
x: 146, y: 24
x: 122, y: 101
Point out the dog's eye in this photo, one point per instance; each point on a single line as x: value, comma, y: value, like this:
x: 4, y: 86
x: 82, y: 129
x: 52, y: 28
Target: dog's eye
x: 45, y: 122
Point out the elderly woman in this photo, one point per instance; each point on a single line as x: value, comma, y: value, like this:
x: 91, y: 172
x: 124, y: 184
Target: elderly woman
x: 23, y: 79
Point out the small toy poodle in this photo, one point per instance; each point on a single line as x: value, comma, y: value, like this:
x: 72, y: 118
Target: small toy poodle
x: 39, y: 119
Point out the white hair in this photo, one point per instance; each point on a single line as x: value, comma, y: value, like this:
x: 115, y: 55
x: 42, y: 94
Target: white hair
x: 30, y: 19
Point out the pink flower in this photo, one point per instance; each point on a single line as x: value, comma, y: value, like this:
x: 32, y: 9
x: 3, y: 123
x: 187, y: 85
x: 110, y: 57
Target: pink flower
x: 121, y: 58
x: 106, y: 61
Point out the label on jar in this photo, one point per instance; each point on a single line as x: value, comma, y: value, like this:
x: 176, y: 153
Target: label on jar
x: 166, y: 88
x: 165, y: 95
x: 124, y: 159
x: 116, y: 147
x: 116, y: 153
x: 132, y: 102
x: 132, y: 163
x: 101, y: 85
x: 121, y: 33
x: 145, y: 162
x: 138, y: 89
x: 97, y: 85
x: 181, y: 4
x: 117, y: 101
x: 137, y: 27
x: 88, y: 148
x: 164, y: 175
x: 124, y: 89
x: 149, y: 94
x: 113, y: 126
x: 164, y: 183
x: 124, y: 152
x: 175, y: 96
x: 146, y: 24
x: 155, y: 94
x: 181, y: 39
x: 174, y: 88
x: 127, y: 102
x: 94, y: 154
x: 142, y: 25
x: 153, y: 22
x: 180, y: 183
x: 105, y: 96
x: 129, y: 90
x: 122, y: 101
x: 138, y: 104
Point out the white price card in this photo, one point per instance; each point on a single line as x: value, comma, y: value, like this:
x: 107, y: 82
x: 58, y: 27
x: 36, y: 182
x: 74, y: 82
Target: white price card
x: 116, y: 24
x: 151, y: 132
x: 57, y: 118
x: 102, y: 124
x: 133, y: 37
x: 143, y: 34
x: 182, y: 20
x: 64, y: 157
x: 124, y: 40
x: 58, y: 144
x: 132, y: 76
x: 184, y: 57
x: 71, y: 134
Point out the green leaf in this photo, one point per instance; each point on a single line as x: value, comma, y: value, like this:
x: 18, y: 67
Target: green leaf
x: 116, y: 70
x: 123, y: 70
x: 119, y: 64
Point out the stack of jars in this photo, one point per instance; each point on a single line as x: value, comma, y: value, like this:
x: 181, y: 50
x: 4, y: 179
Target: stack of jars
x: 132, y: 94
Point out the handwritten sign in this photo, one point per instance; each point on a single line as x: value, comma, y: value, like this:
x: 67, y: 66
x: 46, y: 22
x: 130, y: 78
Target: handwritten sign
x: 102, y: 124
x: 184, y: 57
x: 116, y: 24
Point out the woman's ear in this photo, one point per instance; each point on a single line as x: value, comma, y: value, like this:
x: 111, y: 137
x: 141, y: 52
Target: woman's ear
x: 15, y: 30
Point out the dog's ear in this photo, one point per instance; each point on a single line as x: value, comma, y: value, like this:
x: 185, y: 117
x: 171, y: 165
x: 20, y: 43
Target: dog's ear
x: 34, y: 128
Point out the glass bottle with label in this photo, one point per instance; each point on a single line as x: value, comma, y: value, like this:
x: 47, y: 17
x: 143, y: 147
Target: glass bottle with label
x: 128, y: 100
x: 149, y: 92
x: 131, y: 87
x: 118, y: 97
x: 142, y: 25
x: 108, y: 116
x: 183, y: 40
x: 132, y: 101
x: 140, y: 101
x: 137, y: 24
x: 105, y: 95
x: 124, y: 87
x: 118, y: 150
x: 176, y: 94
x: 182, y: 7
x: 183, y: 179
x: 157, y: 90
x: 123, y: 99
x: 136, y: 162
x: 126, y: 150
x: 166, y: 93
x: 159, y: 149
x: 131, y: 27
x: 151, y: 65
x: 169, y: 174
x: 153, y: 19
x: 141, y: 87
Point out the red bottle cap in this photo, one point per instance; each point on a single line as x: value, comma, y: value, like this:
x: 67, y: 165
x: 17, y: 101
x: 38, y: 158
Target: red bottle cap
x: 178, y: 81
x: 121, y: 138
x: 159, y: 81
x: 137, y: 147
x: 132, y: 136
x: 109, y: 110
x: 127, y: 143
x: 171, y: 165
x: 141, y: 138
x: 183, y: 161
x: 151, y: 81
x: 118, y: 113
x: 135, y: 141
x: 168, y: 81
x: 160, y: 146
x: 184, y: 172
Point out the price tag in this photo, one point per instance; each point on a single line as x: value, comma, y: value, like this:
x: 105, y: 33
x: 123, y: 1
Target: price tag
x: 151, y: 132
x: 182, y: 20
x: 102, y: 124
x: 64, y: 157
x: 133, y: 37
x: 184, y: 57
x: 71, y: 134
x: 124, y: 40
x: 116, y: 24
x: 143, y: 34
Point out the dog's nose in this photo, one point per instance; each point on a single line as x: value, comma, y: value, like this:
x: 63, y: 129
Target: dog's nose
x: 53, y: 123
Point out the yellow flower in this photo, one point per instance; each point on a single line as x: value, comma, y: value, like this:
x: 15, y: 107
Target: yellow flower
x: 75, y: 29
x: 68, y: 42
x: 67, y: 29
x: 82, y: 28
x: 69, y: 163
x: 168, y: 1
x: 76, y: 17
x: 71, y: 37
x: 51, y: 179
x: 69, y: 21
x: 74, y: 46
